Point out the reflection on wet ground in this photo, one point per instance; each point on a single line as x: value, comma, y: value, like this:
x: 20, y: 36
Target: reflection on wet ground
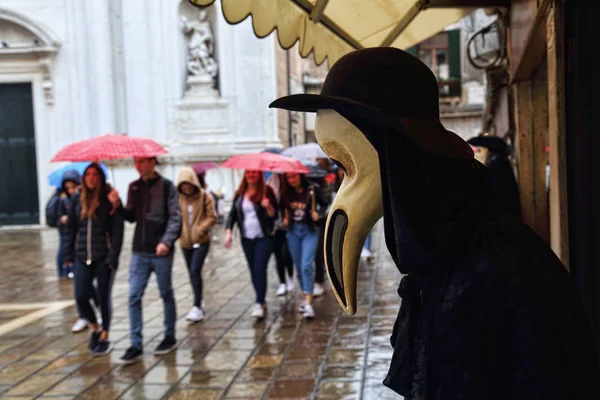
x: 226, y: 356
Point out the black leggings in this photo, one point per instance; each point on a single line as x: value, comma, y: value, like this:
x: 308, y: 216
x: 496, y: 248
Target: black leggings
x: 320, y: 255
x: 84, y: 288
x: 194, y: 258
x: 283, y: 257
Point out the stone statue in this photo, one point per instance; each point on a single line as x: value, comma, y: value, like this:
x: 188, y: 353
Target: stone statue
x: 200, y: 46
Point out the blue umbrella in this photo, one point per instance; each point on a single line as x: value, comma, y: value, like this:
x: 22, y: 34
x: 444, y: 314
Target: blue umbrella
x: 55, y: 177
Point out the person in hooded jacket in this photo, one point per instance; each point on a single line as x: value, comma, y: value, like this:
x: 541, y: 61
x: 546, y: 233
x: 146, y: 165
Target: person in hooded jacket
x: 70, y: 185
x: 93, y: 246
x: 198, y: 216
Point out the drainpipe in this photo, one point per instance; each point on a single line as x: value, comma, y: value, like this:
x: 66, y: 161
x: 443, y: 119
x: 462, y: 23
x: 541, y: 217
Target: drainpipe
x: 289, y: 90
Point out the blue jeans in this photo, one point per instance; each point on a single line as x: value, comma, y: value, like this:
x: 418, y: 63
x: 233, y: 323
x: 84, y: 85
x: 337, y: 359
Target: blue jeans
x: 140, y: 269
x: 61, y: 268
x: 303, y: 247
x: 258, y: 252
x: 368, y: 242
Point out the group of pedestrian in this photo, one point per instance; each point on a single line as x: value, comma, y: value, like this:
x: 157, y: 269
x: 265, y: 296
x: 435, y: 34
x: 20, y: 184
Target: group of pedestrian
x: 91, y: 225
x: 283, y: 215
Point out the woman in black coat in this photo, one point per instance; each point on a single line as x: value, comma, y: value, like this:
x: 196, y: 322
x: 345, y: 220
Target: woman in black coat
x: 93, y: 245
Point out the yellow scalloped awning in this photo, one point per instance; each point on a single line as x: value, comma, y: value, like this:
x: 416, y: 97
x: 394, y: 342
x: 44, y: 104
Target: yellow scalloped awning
x: 332, y: 28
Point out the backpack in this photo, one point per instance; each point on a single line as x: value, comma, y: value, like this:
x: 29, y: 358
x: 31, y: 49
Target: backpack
x: 53, y: 209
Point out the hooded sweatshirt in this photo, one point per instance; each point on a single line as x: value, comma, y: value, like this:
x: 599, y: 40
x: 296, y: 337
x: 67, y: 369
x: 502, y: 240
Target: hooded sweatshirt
x: 197, y: 211
x: 65, y: 199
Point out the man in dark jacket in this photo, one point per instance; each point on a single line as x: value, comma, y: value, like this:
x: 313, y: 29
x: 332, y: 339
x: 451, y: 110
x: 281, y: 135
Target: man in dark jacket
x: 152, y: 203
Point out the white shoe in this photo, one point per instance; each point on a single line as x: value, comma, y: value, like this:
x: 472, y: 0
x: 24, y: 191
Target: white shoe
x: 80, y: 326
x: 281, y: 290
x: 290, y: 285
x: 70, y: 275
x: 215, y: 238
x: 195, y: 314
x: 309, y: 312
x: 318, y: 290
x: 302, y: 306
x: 258, y: 311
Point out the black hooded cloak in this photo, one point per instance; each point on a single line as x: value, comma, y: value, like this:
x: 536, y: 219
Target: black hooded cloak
x: 488, y: 311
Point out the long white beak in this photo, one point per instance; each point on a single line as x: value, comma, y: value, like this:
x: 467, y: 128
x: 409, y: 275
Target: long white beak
x: 357, y: 206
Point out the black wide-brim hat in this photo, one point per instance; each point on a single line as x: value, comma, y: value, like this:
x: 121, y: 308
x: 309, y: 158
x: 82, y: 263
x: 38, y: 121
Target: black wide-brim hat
x: 383, y: 85
x: 492, y: 143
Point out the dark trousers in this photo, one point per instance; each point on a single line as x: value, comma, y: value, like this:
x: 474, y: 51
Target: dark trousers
x: 93, y: 294
x: 283, y: 257
x: 320, y: 255
x: 257, y: 252
x: 85, y: 275
x: 61, y: 268
x: 194, y: 258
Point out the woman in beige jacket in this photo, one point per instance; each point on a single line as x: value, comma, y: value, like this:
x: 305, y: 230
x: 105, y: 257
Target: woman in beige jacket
x: 197, y: 218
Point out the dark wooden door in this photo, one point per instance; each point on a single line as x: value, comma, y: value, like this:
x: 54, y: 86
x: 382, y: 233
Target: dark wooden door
x: 582, y: 103
x: 18, y: 177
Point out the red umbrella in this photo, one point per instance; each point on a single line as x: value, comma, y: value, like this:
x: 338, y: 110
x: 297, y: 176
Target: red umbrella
x: 202, y: 167
x: 109, y: 147
x: 266, y: 162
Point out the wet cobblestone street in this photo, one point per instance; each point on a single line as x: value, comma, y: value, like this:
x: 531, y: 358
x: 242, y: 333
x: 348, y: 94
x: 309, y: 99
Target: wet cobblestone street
x: 226, y: 356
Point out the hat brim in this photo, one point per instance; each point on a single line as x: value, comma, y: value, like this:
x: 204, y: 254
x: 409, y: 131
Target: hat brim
x: 453, y: 147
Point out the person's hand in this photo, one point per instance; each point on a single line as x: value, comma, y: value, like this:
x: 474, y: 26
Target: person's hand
x: 114, y: 199
x: 68, y: 263
x: 64, y: 219
x: 228, y: 239
x: 162, y: 249
x: 286, y: 222
x: 265, y: 203
x: 314, y: 215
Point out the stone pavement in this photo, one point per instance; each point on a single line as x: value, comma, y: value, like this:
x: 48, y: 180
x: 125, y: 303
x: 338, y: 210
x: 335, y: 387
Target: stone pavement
x: 226, y: 356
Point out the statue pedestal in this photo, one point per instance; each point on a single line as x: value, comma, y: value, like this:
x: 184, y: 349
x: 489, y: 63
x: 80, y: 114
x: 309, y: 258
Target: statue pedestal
x: 201, y: 111
x: 200, y: 86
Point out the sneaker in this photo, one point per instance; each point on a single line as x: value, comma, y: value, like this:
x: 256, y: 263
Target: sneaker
x: 281, y: 290
x: 79, y: 326
x: 258, y: 311
x: 302, y: 306
x: 195, y: 314
x: 318, y: 290
x: 168, y: 344
x: 94, y: 339
x: 102, y: 348
x: 131, y: 355
x: 290, y: 286
x: 309, y: 312
x: 70, y: 275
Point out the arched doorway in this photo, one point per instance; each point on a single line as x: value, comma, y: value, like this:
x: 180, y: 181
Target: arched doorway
x: 27, y: 52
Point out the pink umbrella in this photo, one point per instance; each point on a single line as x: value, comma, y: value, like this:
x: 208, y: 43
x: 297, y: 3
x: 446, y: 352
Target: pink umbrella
x: 266, y: 162
x: 202, y: 167
x: 109, y: 147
